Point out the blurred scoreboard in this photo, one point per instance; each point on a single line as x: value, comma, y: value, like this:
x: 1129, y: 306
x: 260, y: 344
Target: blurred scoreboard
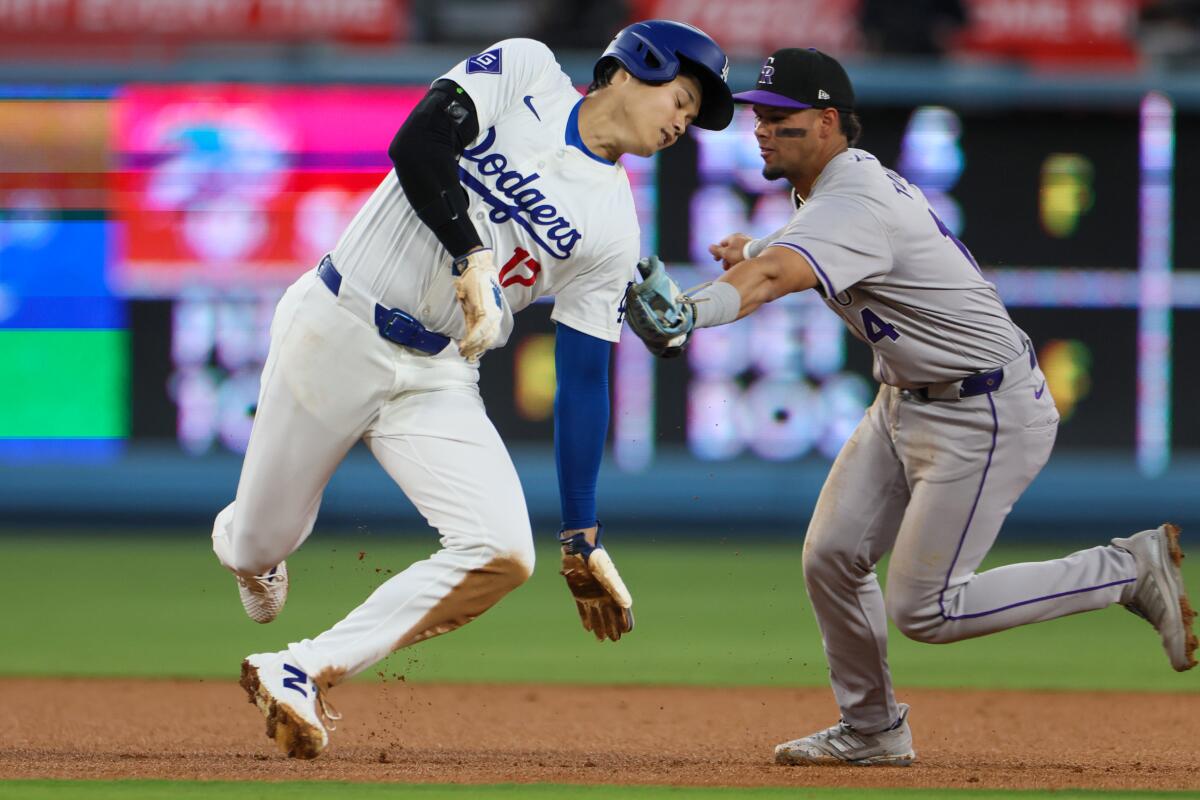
x: 146, y: 233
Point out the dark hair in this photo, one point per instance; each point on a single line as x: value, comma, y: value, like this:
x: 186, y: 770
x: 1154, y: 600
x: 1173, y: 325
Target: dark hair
x: 851, y: 126
x: 606, y: 70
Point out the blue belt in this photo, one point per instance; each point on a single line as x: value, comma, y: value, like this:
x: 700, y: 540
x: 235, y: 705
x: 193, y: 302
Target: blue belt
x: 982, y: 383
x: 974, y: 385
x: 394, y: 324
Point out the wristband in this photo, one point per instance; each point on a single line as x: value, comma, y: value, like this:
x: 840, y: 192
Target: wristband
x: 722, y: 303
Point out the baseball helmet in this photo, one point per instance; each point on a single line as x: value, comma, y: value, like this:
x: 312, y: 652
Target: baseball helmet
x: 652, y: 51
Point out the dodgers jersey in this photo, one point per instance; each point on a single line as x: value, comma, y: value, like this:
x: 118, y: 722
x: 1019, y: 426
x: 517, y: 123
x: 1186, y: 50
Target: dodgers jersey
x: 902, y: 282
x: 560, y: 222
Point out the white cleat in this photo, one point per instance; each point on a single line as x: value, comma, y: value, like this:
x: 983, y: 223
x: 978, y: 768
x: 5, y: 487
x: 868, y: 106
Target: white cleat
x: 297, y: 714
x: 1159, y: 596
x: 842, y: 744
x: 263, y: 595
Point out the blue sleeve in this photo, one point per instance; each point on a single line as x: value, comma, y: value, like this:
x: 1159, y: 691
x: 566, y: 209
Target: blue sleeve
x: 580, y: 421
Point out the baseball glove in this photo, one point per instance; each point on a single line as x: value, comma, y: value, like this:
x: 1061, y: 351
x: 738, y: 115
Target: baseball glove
x: 658, y: 312
x: 603, y: 602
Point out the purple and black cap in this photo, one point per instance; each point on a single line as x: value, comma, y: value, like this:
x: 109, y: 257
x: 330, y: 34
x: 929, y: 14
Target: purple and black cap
x: 801, y: 78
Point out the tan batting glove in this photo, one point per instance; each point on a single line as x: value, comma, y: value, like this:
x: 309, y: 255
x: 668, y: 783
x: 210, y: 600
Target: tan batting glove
x: 604, y: 604
x: 478, y: 290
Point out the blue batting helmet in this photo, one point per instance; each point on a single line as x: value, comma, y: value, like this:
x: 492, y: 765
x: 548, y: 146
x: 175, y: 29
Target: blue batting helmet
x: 653, y: 51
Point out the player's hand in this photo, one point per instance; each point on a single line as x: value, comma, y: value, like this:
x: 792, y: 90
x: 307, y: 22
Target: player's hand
x: 730, y: 250
x: 657, y: 311
x: 603, y: 602
x: 478, y: 290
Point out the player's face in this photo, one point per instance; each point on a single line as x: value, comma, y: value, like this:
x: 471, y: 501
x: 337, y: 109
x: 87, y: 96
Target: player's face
x: 787, y: 139
x: 660, y: 114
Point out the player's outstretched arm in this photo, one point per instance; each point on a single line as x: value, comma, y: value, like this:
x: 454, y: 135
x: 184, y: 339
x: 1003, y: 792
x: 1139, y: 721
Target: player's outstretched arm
x: 779, y: 271
x: 581, y: 411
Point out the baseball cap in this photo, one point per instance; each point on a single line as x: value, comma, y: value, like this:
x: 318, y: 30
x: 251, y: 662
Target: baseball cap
x: 801, y: 78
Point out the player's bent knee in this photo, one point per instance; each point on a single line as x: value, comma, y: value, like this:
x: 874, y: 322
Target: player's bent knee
x: 506, y: 571
x: 520, y: 562
x: 825, y: 563
x: 918, y: 616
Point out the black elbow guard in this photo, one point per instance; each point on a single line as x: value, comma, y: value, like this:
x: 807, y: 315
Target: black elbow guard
x: 425, y: 154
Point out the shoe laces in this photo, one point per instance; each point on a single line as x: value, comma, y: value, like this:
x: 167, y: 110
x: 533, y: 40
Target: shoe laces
x: 840, y: 729
x: 329, y: 714
x: 261, y: 583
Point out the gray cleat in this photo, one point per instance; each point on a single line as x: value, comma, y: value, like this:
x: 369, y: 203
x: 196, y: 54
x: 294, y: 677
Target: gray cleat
x: 842, y: 744
x: 1159, y: 596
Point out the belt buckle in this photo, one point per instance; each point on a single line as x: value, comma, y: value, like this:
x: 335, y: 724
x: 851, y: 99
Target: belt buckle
x: 409, y: 323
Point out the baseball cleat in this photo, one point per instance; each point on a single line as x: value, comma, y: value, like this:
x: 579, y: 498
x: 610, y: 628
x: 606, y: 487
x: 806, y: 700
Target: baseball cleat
x: 842, y: 744
x: 263, y: 595
x: 1159, y: 596
x: 297, y: 714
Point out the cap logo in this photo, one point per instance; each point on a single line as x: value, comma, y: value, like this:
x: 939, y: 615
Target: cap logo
x: 822, y: 94
x: 725, y: 70
x: 767, y: 76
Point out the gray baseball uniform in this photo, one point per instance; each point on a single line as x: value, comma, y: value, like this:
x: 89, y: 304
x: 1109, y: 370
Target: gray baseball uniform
x: 961, y: 425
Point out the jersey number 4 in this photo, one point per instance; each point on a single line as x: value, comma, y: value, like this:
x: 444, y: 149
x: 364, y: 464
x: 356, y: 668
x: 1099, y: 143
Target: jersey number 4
x: 509, y: 274
x: 876, y: 328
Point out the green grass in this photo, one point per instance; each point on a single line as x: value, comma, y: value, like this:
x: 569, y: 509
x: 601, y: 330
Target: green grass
x: 711, y: 613
x: 134, y: 790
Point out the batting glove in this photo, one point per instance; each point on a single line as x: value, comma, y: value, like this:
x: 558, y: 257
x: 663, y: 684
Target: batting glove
x: 478, y: 290
x: 604, y: 604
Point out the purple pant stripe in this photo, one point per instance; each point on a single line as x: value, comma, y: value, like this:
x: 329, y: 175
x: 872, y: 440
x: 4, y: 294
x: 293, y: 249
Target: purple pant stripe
x: 963, y: 538
x: 971, y: 516
x: 1040, y: 599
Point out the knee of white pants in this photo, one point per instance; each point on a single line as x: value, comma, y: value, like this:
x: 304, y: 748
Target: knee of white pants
x: 505, y: 547
x: 516, y: 552
x: 916, y: 612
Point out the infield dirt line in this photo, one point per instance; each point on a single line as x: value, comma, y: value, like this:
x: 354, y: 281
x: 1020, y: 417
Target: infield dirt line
x: 684, y: 736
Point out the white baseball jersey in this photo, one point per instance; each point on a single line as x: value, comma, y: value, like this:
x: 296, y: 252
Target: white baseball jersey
x: 898, y: 277
x: 560, y: 221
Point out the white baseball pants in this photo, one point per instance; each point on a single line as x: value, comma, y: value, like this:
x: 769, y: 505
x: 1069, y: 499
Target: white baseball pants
x: 329, y: 381
x: 933, y: 481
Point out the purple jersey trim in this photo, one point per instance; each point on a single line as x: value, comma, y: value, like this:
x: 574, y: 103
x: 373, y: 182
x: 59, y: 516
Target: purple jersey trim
x: 963, y: 538
x: 820, y: 272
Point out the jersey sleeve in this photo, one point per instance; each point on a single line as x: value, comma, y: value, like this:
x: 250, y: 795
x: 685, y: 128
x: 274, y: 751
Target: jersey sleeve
x: 502, y: 75
x: 593, y: 301
x: 755, y: 248
x: 842, y: 239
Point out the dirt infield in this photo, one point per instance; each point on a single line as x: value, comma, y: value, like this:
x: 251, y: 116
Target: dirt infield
x: 397, y: 731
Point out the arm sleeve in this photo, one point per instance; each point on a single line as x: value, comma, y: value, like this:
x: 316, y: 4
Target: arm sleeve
x: 425, y: 153
x: 592, y: 301
x: 581, y: 410
x: 501, y: 76
x: 842, y: 239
